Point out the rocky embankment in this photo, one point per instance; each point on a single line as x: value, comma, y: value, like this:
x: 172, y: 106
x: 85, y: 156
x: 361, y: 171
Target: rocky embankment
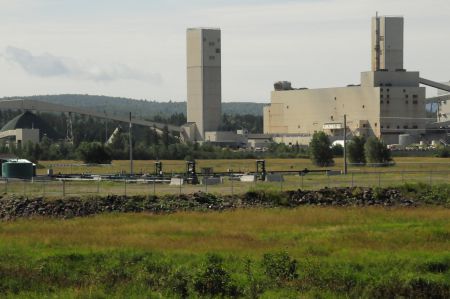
x: 17, y: 207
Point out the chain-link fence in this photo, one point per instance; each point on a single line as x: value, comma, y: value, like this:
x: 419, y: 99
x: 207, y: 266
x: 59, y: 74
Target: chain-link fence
x: 224, y: 185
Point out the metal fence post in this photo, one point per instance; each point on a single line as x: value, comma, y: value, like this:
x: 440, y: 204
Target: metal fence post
x: 181, y: 183
x: 125, y: 186
x: 98, y: 187
x: 43, y: 188
x: 64, y: 187
x: 232, y: 185
x: 206, y: 184
x: 154, y: 187
x: 303, y: 178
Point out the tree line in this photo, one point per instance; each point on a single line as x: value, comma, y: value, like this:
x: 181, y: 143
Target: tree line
x: 360, y: 150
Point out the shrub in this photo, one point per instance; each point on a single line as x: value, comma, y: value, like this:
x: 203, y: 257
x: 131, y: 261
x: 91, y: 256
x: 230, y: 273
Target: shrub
x: 94, y: 152
x: 214, y: 280
x: 443, y: 152
x: 376, y: 151
x: 320, y: 150
x: 280, y: 266
x: 355, y: 150
x: 338, y: 150
x: 178, y: 283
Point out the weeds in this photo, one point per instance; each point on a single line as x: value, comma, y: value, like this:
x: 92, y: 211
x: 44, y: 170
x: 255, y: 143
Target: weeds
x: 333, y: 252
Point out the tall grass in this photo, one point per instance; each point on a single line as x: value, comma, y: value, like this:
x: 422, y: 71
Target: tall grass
x: 313, y: 251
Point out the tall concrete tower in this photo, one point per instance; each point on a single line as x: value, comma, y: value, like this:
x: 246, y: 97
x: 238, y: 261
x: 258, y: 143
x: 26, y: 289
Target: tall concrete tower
x: 204, y: 90
x: 387, y: 43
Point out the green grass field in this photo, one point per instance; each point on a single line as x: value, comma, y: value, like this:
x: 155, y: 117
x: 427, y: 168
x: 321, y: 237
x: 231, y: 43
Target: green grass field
x: 244, y: 165
x: 406, y: 170
x: 308, y: 252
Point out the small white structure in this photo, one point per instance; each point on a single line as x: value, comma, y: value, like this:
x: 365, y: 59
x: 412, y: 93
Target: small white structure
x: 176, y: 181
x: 248, y: 178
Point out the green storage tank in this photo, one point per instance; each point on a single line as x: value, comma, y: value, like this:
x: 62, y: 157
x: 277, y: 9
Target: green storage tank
x: 17, y: 169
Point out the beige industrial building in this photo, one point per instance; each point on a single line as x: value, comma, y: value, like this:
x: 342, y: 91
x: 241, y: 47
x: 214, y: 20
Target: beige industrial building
x: 387, y: 103
x: 204, y: 90
x: 21, y: 136
x: 204, y: 94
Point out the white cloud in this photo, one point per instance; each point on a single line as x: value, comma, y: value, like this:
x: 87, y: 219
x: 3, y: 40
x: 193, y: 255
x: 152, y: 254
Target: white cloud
x: 48, y: 65
x: 313, y: 43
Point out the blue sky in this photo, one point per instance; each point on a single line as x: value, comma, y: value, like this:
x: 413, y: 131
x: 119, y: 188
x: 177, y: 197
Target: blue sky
x: 136, y: 48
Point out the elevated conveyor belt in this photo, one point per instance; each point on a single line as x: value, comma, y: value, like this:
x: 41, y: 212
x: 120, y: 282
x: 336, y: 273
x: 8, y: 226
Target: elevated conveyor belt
x: 21, y: 104
x: 434, y: 84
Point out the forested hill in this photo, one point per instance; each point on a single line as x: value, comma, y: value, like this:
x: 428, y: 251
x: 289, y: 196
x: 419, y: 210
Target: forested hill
x: 139, y: 108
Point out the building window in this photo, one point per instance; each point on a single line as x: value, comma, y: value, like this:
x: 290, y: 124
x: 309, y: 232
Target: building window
x: 204, y: 39
x: 415, y: 126
x: 381, y: 102
x: 376, y: 125
x: 398, y: 127
x: 388, y: 89
x: 387, y: 101
x: 388, y: 126
x: 382, y: 127
x: 212, y: 44
x: 335, y: 98
x: 381, y: 96
x: 406, y: 102
x: 364, y: 125
x: 332, y: 118
x: 381, y: 89
x: 364, y: 107
x: 212, y: 57
x: 404, y: 90
x: 405, y: 127
x: 406, y: 96
x: 287, y: 107
x: 218, y: 51
x: 415, y: 96
x: 415, y: 101
x: 388, y: 96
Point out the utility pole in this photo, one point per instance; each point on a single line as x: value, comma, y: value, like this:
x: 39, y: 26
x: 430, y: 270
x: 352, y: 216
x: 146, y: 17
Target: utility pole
x: 131, y: 149
x: 345, y: 143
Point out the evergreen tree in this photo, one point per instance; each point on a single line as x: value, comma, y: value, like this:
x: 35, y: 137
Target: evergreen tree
x: 376, y: 151
x: 320, y: 150
x: 355, y: 150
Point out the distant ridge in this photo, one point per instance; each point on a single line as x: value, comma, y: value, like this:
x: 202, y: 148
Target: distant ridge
x: 139, y: 108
